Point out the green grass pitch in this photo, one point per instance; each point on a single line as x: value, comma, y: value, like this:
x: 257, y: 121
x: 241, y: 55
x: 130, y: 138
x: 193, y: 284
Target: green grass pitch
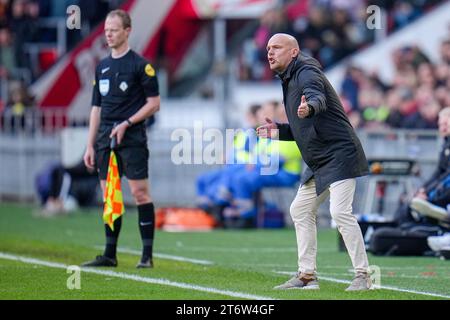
x: 224, y: 264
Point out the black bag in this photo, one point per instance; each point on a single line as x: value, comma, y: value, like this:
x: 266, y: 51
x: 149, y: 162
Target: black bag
x: 399, y: 242
x: 367, y: 229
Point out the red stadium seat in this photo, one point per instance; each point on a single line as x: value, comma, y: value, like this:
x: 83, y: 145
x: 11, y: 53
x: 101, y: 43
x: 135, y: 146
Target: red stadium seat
x: 47, y: 57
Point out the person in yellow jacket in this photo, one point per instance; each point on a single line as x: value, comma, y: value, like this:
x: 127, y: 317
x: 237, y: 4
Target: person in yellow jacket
x: 284, y: 156
x: 213, y: 187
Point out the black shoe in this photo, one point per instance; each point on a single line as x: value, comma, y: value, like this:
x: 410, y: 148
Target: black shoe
x: 101, y: 261
x: 145, y: 263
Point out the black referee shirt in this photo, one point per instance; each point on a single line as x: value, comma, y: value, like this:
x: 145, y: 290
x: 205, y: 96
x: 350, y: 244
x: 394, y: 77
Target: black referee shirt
x: 122, y: 85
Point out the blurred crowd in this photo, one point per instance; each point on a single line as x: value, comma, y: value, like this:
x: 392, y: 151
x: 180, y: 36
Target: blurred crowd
x: 28, y: 45
x: 328, y: 30
x: 419, y: 90
x: 21, y: 25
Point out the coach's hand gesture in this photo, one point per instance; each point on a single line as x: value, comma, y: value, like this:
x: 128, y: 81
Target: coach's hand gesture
x: 303, y: 109
x: 268, y: 130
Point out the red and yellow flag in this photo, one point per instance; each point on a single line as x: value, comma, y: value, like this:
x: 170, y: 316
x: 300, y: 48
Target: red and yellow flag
x: 114, y: 207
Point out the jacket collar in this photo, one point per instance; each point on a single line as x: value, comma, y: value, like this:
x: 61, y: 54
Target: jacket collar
x: 293, y: 66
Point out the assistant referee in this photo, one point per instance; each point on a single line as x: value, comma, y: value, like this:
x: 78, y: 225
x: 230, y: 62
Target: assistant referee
x: 126, y: 94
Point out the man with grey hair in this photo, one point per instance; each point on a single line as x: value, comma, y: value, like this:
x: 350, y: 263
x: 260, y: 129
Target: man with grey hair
x: 332, y: 151
x: 432, y: 199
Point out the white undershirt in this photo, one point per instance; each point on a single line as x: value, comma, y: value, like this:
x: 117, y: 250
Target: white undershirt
x: 120, y: 56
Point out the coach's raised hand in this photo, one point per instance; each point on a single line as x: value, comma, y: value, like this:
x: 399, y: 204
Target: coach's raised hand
x: 268, y: 130
x: 303, y: 109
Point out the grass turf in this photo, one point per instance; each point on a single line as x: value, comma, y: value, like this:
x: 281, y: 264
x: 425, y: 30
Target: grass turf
x: 250, y: 262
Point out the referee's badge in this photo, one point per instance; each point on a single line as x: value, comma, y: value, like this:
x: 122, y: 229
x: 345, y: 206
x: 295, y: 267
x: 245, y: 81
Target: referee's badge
x: 123, y: 86
x: 149, y: 70
x: 104, y: 86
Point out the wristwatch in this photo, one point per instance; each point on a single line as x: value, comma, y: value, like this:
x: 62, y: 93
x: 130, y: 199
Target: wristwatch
x: 129, y: 122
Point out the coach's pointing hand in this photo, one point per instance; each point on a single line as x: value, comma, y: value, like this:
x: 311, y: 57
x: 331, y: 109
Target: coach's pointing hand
x: 303, y: 109
x: 268, y: 130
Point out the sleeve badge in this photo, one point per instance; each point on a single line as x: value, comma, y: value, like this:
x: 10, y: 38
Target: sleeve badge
x: 149, y: 70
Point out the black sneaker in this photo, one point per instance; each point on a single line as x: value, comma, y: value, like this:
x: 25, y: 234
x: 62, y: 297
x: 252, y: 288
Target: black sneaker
x: 101, y: 261
x: 145, y: 263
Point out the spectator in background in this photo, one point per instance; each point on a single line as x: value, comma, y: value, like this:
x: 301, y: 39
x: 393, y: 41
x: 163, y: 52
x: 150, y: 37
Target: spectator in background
x: 406, y: 107
x: 393, y: 101
x: 336, y: 39
x: 45, y: 7
x: 7, y: 54
x: 374, y: 113
x: 436, y: 190
x: 297, y: 11
x: 213, y: 188
x: 350, y: 86
x: 332, y: 29
x: 425, y: 75
x: 442, y: 73
x: 20, y: 23
x: 247, y: 182
x: 433, y: 199
x: 4, y: 8
x: 63, y: 189
x: 445, y: 51
x: 403, y: 13
x: 425, y: 117
x: 311, y: 35
x: 271, y: 22
x: 17, y: 109
x: 442, y: 95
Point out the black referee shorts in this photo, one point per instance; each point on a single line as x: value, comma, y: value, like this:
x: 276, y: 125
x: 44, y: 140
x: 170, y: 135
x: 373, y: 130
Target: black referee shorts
x: 132, y: 153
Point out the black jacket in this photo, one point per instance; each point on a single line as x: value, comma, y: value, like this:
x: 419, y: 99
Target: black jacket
x: 326, y: 139
x: 437, y: 181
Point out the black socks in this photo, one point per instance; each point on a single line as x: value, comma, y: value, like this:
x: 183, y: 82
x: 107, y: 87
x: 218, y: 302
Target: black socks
x: 147, y: 228
x: 111, y: 238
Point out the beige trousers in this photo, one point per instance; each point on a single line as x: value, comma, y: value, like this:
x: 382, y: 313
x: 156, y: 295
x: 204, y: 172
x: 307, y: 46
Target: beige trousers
x: 304, y: 212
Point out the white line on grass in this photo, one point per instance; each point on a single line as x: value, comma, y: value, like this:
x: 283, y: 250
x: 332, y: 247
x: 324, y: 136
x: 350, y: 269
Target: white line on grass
x: 137, y: 278
x: 351, y: 274
x: 419, y: 268
x: 163, y: 256
x: 381, y: 287
x: 244, y: 250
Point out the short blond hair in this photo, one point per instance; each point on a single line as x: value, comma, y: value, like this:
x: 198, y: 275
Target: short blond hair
x: 123, y: 15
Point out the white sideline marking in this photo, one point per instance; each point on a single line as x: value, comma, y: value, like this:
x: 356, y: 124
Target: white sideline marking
x: 244, y: 250
x: 381, y: 287
x: 387, y: 276
x: 163, y: 256
x: 134, y: 277
x: 419, y: 268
